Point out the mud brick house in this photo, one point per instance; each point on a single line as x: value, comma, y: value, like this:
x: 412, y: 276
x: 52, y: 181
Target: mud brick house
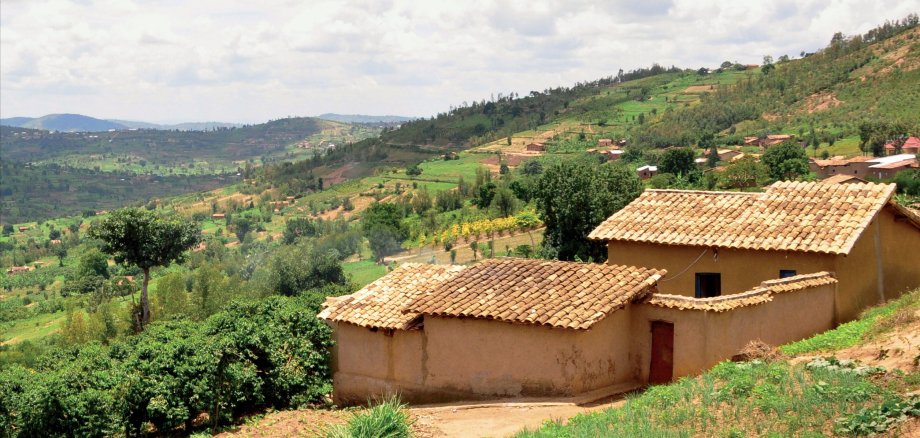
x: 535, y: 147
x: 719, y: 243
x: 646, y: 172
x: 910, y: 146
x: 691, y: 278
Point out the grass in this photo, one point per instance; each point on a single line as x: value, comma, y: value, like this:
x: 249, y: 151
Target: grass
x: 33, y: 328
x: 364, y: 272
x: 873, y: 321
x: 386, y: 419
x: 760, y: 398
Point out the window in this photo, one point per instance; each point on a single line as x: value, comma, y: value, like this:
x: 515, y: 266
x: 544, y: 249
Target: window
x: 786, y: 273
x: 708, y: 284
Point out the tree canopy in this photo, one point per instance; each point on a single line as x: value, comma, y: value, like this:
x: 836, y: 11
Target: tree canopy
x: 574, y: 197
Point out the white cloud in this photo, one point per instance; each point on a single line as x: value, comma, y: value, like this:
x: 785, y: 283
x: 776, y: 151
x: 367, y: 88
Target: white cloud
x: 251, y: 61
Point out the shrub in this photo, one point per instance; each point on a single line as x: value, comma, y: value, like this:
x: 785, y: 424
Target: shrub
x: 386, y: 419
x: 271, y: 353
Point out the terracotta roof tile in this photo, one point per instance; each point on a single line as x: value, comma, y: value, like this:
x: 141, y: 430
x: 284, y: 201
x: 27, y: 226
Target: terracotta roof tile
x: 541, y: 292
x: 788, y: 216
x: 380, y: 304
x: 759, y: 295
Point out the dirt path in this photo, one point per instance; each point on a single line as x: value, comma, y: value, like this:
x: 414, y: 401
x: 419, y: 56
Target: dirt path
x: 492, y: 420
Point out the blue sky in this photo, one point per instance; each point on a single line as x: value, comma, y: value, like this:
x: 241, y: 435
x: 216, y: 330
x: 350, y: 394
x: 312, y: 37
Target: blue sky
x: 211, y: 60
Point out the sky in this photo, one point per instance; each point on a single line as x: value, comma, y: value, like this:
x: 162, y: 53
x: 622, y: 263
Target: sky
x: 253, y: 61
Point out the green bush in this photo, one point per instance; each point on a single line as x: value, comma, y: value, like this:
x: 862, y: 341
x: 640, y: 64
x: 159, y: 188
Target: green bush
x: 271, y: 353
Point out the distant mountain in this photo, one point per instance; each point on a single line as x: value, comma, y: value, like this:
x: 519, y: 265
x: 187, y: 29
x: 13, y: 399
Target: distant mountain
x: 361, y: 118
x: 189, y: 126
x: 63, y: 122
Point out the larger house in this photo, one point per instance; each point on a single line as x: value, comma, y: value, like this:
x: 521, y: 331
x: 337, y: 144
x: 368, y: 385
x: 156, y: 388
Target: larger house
x: 718, y: 243
x: 692, y: 277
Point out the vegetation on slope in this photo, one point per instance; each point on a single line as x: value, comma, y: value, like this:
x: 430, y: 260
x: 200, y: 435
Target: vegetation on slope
x: 817, y: 397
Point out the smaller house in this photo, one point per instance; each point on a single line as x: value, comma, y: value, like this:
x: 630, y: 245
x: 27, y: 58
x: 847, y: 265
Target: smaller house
x: 646, y: 172
x: 888, y: 167
x: 843, y: 179
x: 605, y: 142
x: 910, y: 146
x: 55, y: 241
x: 23, y: 229
x: 856, y: 166
x: 535, y: 147
x: 613, y: 155
x: 727, y: 154
x: 218, y: 216
x: 17, y: 270
x: 289, y: 198
x: 751, y: 141
x: 775, y: 139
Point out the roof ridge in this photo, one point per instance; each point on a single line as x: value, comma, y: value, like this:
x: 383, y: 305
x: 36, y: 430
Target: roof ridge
x: 704, y: 192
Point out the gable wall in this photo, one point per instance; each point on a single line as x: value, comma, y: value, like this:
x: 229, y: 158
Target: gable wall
x: 899, y: 249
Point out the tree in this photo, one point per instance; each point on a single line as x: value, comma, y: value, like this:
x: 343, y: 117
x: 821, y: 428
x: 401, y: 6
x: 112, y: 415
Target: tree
x: 297, y: 227
x: 54, y: 234
x: 382, y: 225
x: 304, y: 268
x: 744, y: 173
x: 93, y: 263
x: 413, y: 170
x: 241, y: 226
x: 504, y: 202
x: 142, y: 238
x: 713, y: 158
x: 678, y: 162
x: 786, y: 161
x: 574, y: 197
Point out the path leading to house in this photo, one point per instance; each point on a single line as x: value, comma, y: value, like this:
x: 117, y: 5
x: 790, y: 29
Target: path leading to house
x: 499, y: 418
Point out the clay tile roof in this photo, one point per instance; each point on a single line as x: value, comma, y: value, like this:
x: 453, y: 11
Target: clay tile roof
x: 788, y: 216
x: 380, y: 304
x: 842, y: 178
x: 841, y: 161
x: 759, y: 295
x: 539, y: 292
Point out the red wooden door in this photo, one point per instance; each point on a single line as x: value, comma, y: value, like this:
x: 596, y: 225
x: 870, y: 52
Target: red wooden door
x: 662, y: 367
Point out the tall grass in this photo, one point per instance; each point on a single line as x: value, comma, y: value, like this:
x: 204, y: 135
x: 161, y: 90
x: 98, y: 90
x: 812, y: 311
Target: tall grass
x: 387, y: 419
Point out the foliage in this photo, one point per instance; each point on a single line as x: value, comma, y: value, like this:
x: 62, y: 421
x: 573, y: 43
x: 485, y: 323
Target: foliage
x: 93, y: 263
x: 297, y: 227
x: 141, y: 238
x: 386, y: 419
x: 679, y: 161
x: 879, y: 419
x: 574, y: 197
x: 250, y: 356
x: 908, y: 182
x: 382, y: 224
x: 786, y: 161
x: 744, y: 173
x: 302, y: 268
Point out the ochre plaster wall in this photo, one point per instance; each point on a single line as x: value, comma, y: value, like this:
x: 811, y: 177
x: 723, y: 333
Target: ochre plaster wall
x: 703, y: 339
x: 741, y: 270
x: 503, y: 359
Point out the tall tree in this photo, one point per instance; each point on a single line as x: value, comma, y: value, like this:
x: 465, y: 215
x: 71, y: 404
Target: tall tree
x: 678, y: 161
x: 786, y: 161
x: 142, y: 238
x: 574, y: 197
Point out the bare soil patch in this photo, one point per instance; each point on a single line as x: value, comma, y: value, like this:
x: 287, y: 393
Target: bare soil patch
x: 697, y: 89
x: 898, y: 349
x: 820, y: 102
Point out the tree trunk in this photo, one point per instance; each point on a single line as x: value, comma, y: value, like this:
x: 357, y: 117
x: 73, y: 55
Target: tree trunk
x: 145, y: 303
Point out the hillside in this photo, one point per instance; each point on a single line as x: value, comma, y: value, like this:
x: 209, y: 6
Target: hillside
x: 72, y: 166
x: 63, y: 122
x: 361, y: 118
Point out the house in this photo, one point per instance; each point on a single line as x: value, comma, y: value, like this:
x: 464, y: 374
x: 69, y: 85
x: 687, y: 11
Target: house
x: 604, y: 142
x: 843, y: 179
x: 523, y: 327
x: 888, y: 167
x: 775, y: 139
x: 750, y: 141
x: 535, y: 147
x: 613, y: 155
x: 218, y: 216
x: 55, y: 241
x: 726, y: 154
x: 910, y: 146
x: 856, y: 166
x: 23, y: 229
x: 646, y: 172
x: 13, y: 270
x: 721, y: 243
